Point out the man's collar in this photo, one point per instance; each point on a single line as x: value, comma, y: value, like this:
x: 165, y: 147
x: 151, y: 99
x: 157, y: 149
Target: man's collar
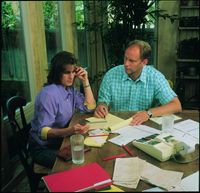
x: 141, y: 78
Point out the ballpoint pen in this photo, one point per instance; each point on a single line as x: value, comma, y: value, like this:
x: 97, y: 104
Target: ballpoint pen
x: 104, y: 109
x: 98, y: 135
x: 114, y: 156
x: 127, y: 150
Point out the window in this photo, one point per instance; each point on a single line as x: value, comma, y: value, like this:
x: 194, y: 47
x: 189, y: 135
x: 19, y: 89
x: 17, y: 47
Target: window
x: 14, y: 76
x: 81, y: 33
x: 52, y: 28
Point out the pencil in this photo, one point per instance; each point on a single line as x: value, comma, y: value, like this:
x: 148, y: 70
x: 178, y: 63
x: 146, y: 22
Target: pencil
x: 127, y: 150
x: 98, y: 135
x: 114, y: 156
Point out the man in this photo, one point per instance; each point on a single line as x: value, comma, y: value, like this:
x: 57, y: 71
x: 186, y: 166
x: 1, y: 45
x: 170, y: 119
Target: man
x: 135, y: 86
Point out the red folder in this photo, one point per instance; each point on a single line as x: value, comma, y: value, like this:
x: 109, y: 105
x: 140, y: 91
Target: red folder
x: 84, y: 178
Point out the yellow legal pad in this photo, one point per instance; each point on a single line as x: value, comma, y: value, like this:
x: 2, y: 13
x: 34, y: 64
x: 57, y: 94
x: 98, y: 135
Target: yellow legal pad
x: 112, y: 189
x: 110, y: 121
x: 95, y: 141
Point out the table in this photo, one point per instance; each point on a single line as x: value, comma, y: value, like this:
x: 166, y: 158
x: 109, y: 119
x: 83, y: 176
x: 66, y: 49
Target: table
x: 109, y: 149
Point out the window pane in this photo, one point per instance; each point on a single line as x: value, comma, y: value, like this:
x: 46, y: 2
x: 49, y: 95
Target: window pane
x: 52, y: 28
x: 81, y: 33
x: 14, y: 76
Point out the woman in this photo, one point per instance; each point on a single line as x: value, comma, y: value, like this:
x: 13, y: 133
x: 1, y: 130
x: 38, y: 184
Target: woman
x: 55, y: 105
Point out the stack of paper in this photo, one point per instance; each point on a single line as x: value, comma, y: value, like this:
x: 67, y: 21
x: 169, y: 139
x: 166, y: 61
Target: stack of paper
x: 120, y: 124
x: 95, y: 141
x: 96, y: 138
x: 135, y: 169
x: 190, y: 183
x: 162, y: 178
x: 126, y: 172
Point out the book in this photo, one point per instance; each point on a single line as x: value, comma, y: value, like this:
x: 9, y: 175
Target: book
x: 88, y: 177
x: 161, y: 147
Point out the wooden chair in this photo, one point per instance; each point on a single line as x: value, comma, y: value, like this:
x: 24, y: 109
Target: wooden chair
x: 21, y: 134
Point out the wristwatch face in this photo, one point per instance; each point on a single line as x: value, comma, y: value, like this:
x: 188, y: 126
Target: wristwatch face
x: 149, y: 113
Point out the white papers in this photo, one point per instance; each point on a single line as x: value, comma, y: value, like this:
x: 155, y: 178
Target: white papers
x: 187, y: 131
x: 187, y: 126
x: 163, y: 178
x: 158, y: 120
x: 129, y: 133
x: 126, y: 172
x: 190, y: 183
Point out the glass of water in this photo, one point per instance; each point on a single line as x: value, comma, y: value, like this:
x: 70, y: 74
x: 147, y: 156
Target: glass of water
x: 167, y: 123
x: 77, y: 148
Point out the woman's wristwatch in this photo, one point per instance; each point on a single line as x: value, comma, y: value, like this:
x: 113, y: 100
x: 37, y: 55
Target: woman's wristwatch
x: 149, y: 113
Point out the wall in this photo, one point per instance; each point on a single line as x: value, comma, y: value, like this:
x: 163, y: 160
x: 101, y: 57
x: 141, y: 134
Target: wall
x: 167, y: 36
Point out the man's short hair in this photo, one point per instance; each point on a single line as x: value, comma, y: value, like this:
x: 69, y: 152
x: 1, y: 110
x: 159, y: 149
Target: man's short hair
x: 145, y: 48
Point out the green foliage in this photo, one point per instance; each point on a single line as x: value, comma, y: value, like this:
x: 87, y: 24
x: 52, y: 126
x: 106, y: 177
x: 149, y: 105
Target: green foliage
x: 79, y: 14
x: 10, y: 20
x: 124, y: 21
x: 50, y: 11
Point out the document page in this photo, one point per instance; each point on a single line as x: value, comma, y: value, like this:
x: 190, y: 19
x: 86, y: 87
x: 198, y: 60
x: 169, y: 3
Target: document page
x: 130, y: 133
x: 187, y: 131
x: 126, y: 172
x: 162, y: 178
x: 189, y: 183
x: 158, y: 120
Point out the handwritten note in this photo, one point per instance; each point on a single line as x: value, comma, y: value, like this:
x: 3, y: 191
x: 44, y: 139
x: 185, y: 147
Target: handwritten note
x: 106, y: 123
x: 129, y: 133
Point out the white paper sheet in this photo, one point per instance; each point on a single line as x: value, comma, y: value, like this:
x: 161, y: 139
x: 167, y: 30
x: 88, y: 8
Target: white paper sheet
x: 130, y: 133
x: 190, y: 183
x: 158, y: 120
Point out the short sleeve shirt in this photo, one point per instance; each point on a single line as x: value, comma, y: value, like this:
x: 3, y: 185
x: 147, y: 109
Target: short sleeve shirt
x: 121, y: 93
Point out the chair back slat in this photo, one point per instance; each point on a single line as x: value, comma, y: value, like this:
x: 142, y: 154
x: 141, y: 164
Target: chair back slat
x: 21, y: 136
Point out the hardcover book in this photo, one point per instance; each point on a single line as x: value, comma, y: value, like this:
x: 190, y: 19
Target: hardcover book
x: 88, y: 177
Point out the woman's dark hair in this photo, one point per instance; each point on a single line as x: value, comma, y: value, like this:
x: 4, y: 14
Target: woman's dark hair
x: 57, y: 65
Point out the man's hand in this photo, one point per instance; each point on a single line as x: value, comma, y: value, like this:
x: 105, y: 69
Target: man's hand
x: 139, y: 118
x: 101, y: 111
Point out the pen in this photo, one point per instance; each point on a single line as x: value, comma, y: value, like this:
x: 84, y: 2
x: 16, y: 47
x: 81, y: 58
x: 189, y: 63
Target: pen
x: 104, y: 109
x: 114, y: 156
x: 127, y: 150
x: 98, y: 135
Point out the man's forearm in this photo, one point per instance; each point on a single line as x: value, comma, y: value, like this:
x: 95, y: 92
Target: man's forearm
x: 172, y: 107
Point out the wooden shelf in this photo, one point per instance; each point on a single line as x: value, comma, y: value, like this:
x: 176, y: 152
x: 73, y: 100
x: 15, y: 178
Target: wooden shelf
x: 189, y: 77
x: 188, y: 28
x: 188, y: 60
x: 189, y: 7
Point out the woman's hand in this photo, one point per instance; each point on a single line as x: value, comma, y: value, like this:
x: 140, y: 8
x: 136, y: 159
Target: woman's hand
x: 82, y: 74
x: 80, y: 129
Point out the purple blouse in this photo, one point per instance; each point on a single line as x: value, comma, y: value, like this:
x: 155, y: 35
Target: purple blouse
x: 54, y: 107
